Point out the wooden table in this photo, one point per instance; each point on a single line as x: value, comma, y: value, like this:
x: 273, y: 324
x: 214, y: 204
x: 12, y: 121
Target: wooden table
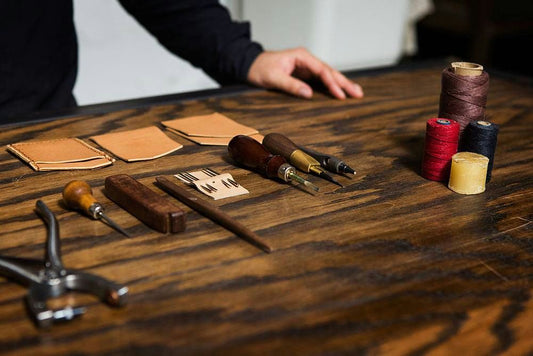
x: 390, y: 264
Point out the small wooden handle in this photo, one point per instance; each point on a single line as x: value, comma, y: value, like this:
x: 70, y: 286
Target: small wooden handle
x: 250, y: 153
x: 145, y: 204
x: 77, y: 195
x: 279, y: 145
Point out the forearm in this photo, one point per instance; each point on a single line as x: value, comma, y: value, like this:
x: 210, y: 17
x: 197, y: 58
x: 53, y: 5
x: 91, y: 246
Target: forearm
x: 200, y: 31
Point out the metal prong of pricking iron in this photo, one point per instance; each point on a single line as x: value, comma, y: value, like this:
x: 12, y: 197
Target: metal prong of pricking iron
x: 211, y: 187
x: 209, y: 172
x: 233, y: 182
x: 226, y: 184
x: 185, y: 178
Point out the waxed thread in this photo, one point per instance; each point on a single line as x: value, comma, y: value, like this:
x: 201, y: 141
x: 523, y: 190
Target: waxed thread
x: 441, y: 143
x: 463, y: 98
x: 481, y: 137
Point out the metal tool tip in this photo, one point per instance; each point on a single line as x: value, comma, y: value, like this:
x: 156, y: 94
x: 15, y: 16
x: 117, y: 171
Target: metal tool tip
x: 312, y: 186
x: 349, y: 170
x: 330, y: 178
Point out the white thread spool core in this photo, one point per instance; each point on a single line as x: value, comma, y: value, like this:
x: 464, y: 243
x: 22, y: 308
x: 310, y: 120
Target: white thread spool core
x: 467, y: 69
x: 484, y: 123
x: 443, y: 121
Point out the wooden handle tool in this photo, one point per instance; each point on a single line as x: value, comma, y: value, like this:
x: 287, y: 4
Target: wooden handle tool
x: 212, y: 212
x: 281, y: 145
x: 78, y: 195
x: 251, y: 154
x: 145, y: 204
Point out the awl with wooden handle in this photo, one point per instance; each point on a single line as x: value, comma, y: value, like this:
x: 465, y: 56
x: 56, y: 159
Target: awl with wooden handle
x: 281, y: 145
x: 78, y: 195
x: 248, y: 152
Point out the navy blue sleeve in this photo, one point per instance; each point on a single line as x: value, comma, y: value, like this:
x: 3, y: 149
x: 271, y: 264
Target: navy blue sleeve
x: 201, y: 32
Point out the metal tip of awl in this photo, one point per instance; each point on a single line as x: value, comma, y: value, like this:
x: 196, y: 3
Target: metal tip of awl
x: 330, y: 178
x: 113, y: 224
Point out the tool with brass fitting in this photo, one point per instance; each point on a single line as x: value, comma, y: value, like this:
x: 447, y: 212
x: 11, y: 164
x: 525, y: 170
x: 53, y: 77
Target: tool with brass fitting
x: 78, y: 195
x: 331, y: 163
x: 283, y: 146
x: 251, y: 154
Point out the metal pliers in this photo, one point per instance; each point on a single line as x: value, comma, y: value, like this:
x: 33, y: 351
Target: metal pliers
x: 54, y: 280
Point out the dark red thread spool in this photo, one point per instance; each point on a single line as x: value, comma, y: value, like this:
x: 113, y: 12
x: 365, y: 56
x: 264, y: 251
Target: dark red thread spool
x: 442, y: 139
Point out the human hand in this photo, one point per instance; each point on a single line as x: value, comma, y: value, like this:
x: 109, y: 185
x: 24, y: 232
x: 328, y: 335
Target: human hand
x: 283, y: 70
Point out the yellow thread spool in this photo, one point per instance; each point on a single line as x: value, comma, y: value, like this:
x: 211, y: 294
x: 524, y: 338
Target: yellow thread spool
x: 468, y: 173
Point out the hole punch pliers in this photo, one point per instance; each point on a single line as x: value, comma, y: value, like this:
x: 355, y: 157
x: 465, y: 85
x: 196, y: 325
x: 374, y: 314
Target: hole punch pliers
x: 53, y: 280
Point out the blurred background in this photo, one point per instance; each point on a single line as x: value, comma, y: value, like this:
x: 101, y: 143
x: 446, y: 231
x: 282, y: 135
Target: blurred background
x: 119, y: 60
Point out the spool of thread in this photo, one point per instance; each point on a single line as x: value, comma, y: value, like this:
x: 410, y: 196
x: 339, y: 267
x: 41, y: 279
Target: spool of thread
x: 463, y: 94
x: 468, y: 173
x: 442, y: 139
x: 481, y: 137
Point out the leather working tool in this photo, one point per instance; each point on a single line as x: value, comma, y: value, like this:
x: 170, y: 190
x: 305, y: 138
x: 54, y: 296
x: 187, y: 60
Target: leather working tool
x: 145, y: 204
x: 331, y: 163
x: 251, y: 154
x: 49, y: 278
x: 283, y: 146
x: 77, y: 195
x: 211, y: 183
x: 212, y: 212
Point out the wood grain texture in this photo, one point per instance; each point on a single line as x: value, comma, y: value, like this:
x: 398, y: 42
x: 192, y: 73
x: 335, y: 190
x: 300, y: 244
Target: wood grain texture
x: 391, y: 264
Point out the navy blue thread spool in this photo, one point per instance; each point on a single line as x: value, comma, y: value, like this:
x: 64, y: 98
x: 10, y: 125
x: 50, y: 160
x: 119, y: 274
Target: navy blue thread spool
x: 481, y: 137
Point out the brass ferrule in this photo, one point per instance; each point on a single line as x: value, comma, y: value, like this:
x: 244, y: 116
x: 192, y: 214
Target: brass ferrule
x: 303, y: 161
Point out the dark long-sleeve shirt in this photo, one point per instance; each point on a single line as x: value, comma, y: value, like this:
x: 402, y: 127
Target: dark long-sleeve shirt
x: 38, y: 47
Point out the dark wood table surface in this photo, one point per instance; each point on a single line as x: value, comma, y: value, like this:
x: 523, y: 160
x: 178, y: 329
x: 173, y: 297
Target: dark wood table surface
x: 390, y: 264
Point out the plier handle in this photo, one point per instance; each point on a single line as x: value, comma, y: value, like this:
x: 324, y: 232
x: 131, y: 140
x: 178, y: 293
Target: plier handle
x: 49, y: 278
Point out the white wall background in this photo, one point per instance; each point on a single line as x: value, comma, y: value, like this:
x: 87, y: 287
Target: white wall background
x: 120, y: 60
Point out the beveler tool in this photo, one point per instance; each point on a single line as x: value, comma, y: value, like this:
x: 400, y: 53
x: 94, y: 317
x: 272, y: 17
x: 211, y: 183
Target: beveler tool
x: 329, y: 162
x: 78, y: 195
x: 50, y: 279
x: 212, y: 212
x: 251, y: 154
x: 283, y: 146
x: 145, y: 204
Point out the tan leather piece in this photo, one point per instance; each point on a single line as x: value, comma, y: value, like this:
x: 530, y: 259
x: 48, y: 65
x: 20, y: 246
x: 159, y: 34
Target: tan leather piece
x: 94, y: 163
x: 213, y: 141
x: 62, y: 154
x: 138, y: 145
x: 213, y: 125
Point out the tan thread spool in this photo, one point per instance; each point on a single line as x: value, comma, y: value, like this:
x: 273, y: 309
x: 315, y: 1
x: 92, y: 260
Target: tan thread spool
x: 468, y: 173
x: 467, y: 69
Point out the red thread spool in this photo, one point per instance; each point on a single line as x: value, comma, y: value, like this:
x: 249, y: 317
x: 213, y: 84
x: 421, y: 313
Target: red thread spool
x: 442, y: 139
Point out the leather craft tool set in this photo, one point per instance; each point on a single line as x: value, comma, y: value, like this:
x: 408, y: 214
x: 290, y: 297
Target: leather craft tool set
x: 273, y: 159
x: 273, y: 156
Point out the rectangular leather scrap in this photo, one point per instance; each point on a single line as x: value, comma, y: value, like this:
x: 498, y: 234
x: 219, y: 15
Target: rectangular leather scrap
x: 145, y: 204
x: 60, y: 154
x: 212, y: 125
x: 138, y: 145
x: 213, y: 129
x: 213, y: 141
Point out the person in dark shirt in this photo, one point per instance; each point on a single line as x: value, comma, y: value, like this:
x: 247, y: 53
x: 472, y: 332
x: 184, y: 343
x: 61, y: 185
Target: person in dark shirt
x: 39, y: 53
